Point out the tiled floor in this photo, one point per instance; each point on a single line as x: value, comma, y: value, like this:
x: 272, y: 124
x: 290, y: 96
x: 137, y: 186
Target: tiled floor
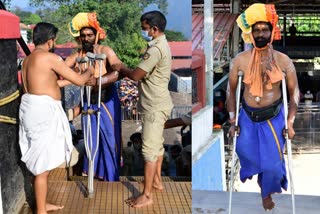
x: 110, y: 197
x: 204, y: 202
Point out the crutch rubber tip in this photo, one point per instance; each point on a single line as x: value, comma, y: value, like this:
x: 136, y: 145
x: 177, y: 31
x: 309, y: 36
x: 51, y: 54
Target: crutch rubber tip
x: 91, y: 195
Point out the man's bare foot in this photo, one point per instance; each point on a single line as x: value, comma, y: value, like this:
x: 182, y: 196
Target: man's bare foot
x: 267, y: 203
x: 154, y: 185
x: 140, y: 201
x: 52, y: 207
x: 158, y: 186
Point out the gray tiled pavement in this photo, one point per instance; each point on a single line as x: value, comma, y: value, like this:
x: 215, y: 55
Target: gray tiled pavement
x: 214, y: 202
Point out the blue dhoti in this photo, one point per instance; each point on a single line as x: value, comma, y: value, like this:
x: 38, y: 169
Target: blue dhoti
x: 260, y: 150
x: 107, y: 160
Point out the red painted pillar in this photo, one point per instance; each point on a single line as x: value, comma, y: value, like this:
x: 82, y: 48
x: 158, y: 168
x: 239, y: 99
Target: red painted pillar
x: 198, y: 80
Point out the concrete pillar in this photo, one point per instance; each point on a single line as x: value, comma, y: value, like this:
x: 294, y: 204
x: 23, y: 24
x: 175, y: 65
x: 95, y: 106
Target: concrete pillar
x: 208, y: 43
x: 235, y: 4
x: 284, y: 30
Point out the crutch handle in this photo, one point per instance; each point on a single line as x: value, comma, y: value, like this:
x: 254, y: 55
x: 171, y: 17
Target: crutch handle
x: 78, y: 59
x: 81, y: 60
x: 91, y: 55
x: 100, y: 56
x: 84, y: 59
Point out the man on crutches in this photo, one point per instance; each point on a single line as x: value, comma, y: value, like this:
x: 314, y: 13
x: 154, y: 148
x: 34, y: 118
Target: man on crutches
x: 101, y: 106
x: 264, y: 117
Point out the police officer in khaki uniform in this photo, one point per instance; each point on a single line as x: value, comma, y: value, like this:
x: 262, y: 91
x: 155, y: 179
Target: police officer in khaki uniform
x: 155, y: 104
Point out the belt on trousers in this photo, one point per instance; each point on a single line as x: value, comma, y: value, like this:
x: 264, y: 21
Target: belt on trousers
x: 264, y: 113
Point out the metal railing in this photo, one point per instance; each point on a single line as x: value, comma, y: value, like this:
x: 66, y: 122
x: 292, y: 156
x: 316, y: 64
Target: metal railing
x: 307, y: 128
x: 132, y: 113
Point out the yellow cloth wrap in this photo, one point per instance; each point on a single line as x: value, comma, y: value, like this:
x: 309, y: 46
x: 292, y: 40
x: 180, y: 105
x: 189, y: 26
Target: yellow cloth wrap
x: 258, y: 12
x: 82, y: 20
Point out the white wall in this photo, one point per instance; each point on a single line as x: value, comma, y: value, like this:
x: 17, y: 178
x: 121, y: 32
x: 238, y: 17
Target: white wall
x: 202, y: 123
x: 24, y: 35
x: 208, y: 161
x: 208, y: 165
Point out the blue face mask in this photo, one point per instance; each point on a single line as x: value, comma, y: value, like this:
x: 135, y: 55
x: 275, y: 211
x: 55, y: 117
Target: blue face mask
x: 144, y: 34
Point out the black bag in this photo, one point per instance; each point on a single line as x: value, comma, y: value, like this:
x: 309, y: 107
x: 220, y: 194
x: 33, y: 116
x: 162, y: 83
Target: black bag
x: 265, y: 113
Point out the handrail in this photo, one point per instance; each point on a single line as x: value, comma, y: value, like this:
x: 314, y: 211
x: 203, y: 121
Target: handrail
x: 224, y: 78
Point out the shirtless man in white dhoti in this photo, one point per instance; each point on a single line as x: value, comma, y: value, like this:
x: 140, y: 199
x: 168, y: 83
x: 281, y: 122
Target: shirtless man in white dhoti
x: 44, y: 132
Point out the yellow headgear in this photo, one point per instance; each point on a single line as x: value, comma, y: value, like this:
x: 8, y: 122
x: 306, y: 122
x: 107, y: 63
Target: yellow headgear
x: 82, y: 20
x: 258, y: 12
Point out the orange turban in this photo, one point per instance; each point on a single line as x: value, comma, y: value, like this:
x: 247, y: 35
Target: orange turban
x: 82, y: 20
x: 258, y: 12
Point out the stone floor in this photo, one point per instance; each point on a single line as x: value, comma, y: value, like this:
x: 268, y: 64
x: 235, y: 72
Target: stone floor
x: 250, y: 203
x: 306, y: 176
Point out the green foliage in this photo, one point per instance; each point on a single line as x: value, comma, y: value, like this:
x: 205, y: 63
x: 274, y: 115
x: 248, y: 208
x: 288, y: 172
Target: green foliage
x: 120, y: 19
x: 307, y: 24
x: 27, y: 18
x: 32, y: 19
x: 162, y: 4
x: 174, y: 36
x: 6, y: 3
x: 23, y: 15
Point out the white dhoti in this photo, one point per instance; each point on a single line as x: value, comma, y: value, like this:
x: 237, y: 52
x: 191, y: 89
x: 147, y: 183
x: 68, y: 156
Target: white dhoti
x: 44, y: 133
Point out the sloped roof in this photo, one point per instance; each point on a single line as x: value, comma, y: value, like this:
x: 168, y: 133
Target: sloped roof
x: 197, y: 31
x: 282, y: 6
x: 181, y: 49
x: 63, y: 50
x: 182, y: 54
x: 181, y: 64
x: 223, y: 25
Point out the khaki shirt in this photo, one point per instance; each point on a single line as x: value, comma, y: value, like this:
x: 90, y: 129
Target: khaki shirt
x: 153, y: 88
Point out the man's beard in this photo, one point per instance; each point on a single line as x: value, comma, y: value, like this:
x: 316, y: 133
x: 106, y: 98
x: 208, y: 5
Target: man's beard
x: 87, y: 47
x: 261, y: 41
x: 51, y: 50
